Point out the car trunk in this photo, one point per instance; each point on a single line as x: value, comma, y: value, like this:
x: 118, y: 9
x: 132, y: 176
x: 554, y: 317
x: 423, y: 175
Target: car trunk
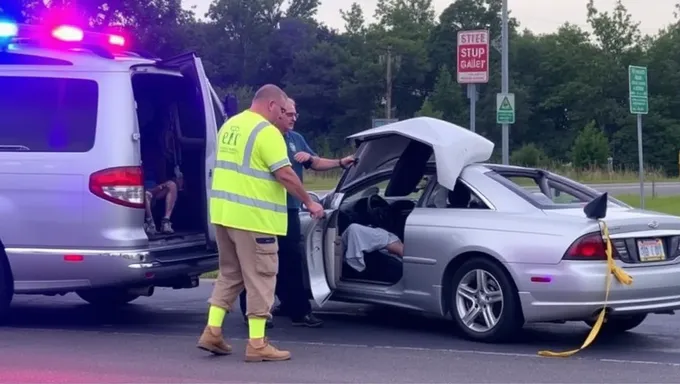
x: 168, y: 102
x: 638, y: 236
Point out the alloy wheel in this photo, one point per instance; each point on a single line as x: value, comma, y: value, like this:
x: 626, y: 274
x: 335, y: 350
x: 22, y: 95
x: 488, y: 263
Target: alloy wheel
x: 479, y: 300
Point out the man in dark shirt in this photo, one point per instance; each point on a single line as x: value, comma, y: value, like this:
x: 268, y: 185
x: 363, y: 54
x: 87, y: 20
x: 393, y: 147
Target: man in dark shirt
x: 290, y: 287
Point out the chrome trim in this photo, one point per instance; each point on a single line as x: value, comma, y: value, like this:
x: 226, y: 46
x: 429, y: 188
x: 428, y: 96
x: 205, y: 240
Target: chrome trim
x: 101, y: 252
x: 474, y: 190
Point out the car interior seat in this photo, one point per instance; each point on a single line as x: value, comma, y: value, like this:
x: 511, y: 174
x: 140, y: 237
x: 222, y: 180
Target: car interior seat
x: 459, y: 197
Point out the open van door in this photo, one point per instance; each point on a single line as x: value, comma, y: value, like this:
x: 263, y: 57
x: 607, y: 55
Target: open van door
x: 191, y: 66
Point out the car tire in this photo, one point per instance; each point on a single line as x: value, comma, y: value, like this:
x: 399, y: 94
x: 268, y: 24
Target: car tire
x: 620, y: 324
x: 107, y: 297
x: 6, y: 287
x: 507, y: 312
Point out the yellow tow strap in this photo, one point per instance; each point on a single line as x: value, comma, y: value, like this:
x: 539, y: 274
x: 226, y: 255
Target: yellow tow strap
x: 612, y: 269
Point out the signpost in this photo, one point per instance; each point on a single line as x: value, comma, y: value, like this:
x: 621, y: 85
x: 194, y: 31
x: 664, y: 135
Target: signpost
x: 505, y: 108
x: 380, y: 122
x: 638, y: 98
x: 472, y: 65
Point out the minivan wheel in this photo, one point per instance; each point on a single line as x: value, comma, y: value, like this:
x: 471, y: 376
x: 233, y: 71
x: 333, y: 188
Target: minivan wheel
x: 6, y: 288
x: 107, y: 296
x: 620, y: 324
x: 484, y: 304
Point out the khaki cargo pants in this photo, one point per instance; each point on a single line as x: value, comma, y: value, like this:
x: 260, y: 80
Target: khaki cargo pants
x: 247, y: 259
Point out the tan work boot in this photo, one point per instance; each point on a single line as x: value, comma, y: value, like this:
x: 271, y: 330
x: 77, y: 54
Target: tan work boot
x: 212, y: 341
x: 263, y: 351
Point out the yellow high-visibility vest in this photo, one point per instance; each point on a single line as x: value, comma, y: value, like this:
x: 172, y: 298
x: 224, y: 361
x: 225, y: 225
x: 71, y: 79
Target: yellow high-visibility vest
x: 245, y: 194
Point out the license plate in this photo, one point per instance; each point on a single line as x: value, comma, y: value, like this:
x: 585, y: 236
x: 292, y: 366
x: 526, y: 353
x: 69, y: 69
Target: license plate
x: 651, y: 250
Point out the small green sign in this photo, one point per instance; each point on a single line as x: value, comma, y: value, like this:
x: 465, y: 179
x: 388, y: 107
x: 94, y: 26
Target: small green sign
x: 638, y: 90
x: 505, y: 108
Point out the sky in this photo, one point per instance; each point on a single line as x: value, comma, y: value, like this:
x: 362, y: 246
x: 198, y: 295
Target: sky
x: 540, y: 16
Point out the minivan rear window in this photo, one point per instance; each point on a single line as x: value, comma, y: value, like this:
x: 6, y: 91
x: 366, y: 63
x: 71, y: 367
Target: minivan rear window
x: 44, y: 114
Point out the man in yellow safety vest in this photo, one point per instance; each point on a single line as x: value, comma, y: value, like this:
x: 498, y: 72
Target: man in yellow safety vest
x: 248, y: 208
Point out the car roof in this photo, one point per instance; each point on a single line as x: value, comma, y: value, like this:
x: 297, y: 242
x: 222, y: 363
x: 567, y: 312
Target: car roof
x: 82, y: 60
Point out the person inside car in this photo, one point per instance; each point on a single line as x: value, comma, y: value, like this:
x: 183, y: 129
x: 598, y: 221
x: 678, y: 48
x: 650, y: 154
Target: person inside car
x: 359, y: 239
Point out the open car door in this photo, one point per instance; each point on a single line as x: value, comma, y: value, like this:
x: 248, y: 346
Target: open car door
x: 191, y: 66
x: 319, y: 250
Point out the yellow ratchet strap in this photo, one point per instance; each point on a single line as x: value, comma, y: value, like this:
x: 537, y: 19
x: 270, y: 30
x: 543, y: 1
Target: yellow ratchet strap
x: 612, y: 269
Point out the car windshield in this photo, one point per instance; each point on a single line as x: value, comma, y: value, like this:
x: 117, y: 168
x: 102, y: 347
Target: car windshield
x: 550, y: 191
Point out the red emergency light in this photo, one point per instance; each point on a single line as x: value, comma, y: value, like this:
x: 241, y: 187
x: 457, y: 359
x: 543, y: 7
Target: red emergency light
x: 64, y: 34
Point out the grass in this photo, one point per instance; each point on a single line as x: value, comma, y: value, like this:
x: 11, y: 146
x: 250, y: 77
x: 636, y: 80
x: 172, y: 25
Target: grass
x: 664, y: 204
x: 324, y: 181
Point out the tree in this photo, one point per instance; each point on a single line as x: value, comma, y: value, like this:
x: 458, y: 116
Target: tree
x: 590, y: 148
x: 427, y: 110
x: 563, y: 81
x: 447, y: 97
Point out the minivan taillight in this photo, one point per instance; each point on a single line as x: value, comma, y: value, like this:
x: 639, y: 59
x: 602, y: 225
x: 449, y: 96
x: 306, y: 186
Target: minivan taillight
x: 120, y: 185
x: 587, y: 247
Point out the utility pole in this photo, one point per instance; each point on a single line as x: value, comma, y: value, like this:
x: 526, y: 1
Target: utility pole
x: 388, y: 74
x: 504, y: 76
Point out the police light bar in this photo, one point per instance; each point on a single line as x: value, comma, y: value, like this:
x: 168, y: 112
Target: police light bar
x: 59, y: 35
x: 8, y: 29
x: 68, y: 33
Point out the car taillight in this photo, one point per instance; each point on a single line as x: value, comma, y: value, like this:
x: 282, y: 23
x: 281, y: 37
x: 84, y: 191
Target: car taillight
x: 120, y: 185
x: 587, y: 247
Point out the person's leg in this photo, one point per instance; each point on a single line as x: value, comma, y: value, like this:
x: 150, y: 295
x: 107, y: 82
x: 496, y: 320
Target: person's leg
x: 297, y: 306
x: 244, y: 305
x: 227, y: 286
x: 149, y: 223
x: 170, y: 194
x: 242, y: 302
x: 396, y: 248
x: 259, y: 262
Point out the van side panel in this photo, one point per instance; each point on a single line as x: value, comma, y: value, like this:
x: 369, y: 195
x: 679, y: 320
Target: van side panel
x: 45, y: 200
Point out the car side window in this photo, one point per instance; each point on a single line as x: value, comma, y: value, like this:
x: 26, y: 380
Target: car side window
x: 376, y: 187
x: 560, y: 196
x: 462, y: 197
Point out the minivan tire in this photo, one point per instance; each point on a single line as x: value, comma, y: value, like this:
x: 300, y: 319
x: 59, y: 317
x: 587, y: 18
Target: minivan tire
x: 107, y: 296
x: 510, y: 317
x: 6, y: 286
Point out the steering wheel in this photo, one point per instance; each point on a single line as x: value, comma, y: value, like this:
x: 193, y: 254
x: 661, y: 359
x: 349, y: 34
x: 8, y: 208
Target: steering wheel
x: 378, y: 209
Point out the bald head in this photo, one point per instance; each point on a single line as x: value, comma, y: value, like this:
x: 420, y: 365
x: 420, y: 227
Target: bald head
x: 270, y: 102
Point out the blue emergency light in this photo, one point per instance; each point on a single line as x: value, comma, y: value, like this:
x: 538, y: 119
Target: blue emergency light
x: 8, y: 29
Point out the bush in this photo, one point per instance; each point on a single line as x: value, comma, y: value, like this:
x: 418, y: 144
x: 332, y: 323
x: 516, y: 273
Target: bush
x: 529, y: 155
x: 591, y: 148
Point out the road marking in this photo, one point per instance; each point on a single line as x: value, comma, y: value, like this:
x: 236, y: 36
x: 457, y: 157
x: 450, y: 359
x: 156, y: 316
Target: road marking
x: 375, y: 347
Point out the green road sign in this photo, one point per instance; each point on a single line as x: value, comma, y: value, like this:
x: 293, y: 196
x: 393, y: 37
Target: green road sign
x: 505, y: 108
x: 381, y: 122
x: 638, y: 90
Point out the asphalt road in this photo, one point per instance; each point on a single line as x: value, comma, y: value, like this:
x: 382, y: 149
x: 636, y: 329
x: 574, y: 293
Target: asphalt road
x: 62, y: 340
x: 659, y: 189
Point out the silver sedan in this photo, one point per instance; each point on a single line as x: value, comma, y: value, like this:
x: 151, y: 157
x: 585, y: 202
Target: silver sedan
x: 492, y: 247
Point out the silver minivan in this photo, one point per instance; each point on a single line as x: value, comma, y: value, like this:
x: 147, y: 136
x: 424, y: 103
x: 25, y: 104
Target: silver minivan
x: 71, y: 172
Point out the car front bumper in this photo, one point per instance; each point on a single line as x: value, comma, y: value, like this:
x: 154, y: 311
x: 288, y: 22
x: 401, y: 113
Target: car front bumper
x: 575, y: 290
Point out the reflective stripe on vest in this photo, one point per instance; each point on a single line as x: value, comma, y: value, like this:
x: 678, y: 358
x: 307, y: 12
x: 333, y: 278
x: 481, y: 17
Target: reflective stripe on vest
x: 246, y: 169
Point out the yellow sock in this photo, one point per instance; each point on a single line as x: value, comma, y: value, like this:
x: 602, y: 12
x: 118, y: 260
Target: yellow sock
x: 256, y: 327
x: 216, y: 316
